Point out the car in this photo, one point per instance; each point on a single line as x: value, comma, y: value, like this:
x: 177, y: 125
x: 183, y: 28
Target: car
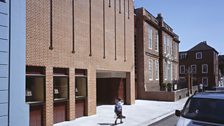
x: 202, y: 109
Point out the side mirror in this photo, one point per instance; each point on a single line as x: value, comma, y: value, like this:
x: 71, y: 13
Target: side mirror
x: 177, y: 113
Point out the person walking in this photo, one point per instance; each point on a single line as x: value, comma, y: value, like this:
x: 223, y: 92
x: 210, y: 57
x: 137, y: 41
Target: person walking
x: 201, y: 87
x: 118, y: 110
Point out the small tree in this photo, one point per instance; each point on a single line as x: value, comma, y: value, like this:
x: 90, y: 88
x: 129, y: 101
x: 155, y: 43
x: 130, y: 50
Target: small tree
x: 170, y: 87
x: 163, y: 87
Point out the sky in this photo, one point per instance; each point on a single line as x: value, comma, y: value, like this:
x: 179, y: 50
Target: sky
x: 193, y: 21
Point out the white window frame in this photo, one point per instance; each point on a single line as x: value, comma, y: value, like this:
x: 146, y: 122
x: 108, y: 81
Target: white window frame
x: 157, y: 69
x: 183, y: 70
x: 150, y: 31
x: 165, y: 71
x: 167, y: 44
x: 164, y: 43
x: 198, y: 54
x: 175, y: 70
x: 194, y: 65
x: 183, y: 55
x: 150, y: 63
x: 177, y: 74
x: 202, y: 81
x: 171, y: 47
x: 202, y: 66
x: 170, y: 70
x: 157, y: 42
x: 176, y: 50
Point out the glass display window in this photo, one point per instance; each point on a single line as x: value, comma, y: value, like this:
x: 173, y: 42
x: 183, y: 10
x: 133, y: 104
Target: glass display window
x: 80, y: 83
x: 35, y: 81
x: 60, y: 82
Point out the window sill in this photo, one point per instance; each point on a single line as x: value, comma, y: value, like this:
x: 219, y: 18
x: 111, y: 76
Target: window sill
x: 60, y: 99
x: 35, y: 103
x: 80, y: 97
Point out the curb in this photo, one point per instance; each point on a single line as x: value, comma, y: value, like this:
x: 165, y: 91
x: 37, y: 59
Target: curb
x: 156, y: 119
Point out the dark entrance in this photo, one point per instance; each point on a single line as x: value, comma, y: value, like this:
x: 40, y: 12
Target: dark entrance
x: 108, y: 89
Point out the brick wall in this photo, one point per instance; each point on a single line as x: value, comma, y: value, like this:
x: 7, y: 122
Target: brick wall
x: 212, y: 64
x: 95, y: 48
x: 143, y: 54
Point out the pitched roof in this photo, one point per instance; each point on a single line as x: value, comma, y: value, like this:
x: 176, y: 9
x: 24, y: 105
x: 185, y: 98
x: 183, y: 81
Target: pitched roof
x: 202, y: 46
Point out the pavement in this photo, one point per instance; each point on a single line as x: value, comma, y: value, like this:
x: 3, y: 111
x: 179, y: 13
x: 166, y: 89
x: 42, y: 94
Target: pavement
x: 142, y: 113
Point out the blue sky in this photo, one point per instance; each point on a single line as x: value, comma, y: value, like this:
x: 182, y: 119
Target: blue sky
x: 193, y: 20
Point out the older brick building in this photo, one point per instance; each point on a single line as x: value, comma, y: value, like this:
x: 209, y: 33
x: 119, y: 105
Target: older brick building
x: 156, y: 54
x: 80, y: 53
x: 199, y: 65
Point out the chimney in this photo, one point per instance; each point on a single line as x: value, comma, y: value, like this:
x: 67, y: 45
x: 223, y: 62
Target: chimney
x: 204, y: 42
x: 159, y: 16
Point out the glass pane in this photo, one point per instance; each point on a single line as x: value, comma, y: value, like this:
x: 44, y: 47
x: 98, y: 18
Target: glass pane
x: 60, y: 88
x: 80, y: 86
x: 34, y: 89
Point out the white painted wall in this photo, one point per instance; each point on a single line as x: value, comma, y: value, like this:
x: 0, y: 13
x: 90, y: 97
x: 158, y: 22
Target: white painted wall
x: 13, y: 109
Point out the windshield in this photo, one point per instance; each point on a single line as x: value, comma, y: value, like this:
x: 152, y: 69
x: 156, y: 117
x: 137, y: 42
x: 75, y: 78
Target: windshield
x: 208, y: 110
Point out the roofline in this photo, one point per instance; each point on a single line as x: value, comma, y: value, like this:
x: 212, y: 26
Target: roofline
x: 170, y: 32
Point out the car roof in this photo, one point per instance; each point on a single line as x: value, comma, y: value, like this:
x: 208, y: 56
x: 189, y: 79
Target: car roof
x: 210, y: 95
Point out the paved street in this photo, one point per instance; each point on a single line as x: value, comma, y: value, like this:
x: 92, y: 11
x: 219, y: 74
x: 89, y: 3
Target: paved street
x: 142, y: 113
x: 168, y: 121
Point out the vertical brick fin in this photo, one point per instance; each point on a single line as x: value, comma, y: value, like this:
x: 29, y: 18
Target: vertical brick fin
x: 73, y: 26
x: 119, y: 6
x: 124, y: 33
x: 109, y: 3
x: 128, y: 9
x: 115, y: 29
x: 90, y: 29
x: 51, y: 34
x: 104, y: 39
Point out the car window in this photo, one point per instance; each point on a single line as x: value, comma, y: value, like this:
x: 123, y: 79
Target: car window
x: 209, y: 110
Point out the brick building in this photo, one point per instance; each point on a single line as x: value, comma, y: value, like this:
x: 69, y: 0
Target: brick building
x: 199, y: 65
x: 80, y: 53
x: 156, y: 54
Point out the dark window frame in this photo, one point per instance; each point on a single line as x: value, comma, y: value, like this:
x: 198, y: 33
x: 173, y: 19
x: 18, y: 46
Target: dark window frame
x: 35, y: 72
x: 4, y: 1
x: 60, y: 73
x: 81, y: 74
x: 32, y: 89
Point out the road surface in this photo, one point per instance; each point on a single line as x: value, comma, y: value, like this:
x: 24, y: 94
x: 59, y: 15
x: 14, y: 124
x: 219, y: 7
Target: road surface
x: 168, y: 121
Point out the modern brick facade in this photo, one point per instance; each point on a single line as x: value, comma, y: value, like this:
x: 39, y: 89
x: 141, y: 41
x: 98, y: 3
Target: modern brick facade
x: 96, y: 36
x: 156, y: 53
x: 199, y: 65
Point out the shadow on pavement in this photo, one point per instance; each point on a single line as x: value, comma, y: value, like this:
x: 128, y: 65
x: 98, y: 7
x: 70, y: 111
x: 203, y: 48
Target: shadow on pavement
x: 107, y: 124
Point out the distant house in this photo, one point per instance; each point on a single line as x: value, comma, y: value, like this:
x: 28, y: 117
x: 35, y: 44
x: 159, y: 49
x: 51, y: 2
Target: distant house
x: 199, y: 65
